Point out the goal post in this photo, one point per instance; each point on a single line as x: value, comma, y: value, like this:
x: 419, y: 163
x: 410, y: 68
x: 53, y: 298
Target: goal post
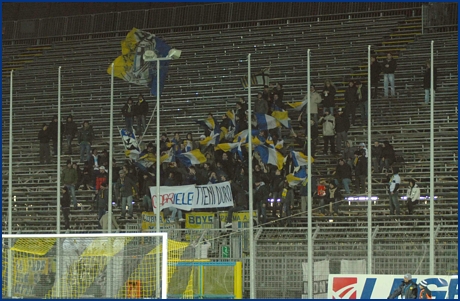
x: 118, y: 265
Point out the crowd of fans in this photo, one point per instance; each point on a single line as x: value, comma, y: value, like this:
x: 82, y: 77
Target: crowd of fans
x: 272, y: 190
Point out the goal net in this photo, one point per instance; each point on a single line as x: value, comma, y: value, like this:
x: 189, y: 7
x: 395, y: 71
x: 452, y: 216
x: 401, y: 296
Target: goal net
x: 131, y: 265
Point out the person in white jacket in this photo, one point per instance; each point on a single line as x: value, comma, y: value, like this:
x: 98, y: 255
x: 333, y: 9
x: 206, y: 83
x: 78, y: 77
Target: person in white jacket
x: 413, y: 196
x: 328, y: 122
x: 315, y: 100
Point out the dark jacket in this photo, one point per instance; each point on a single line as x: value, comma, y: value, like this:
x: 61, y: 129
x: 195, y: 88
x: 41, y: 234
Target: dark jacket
x: 391, y: 66
x: 388, y: 152
x: 261, y: 194
x: 427, y: 78
x: 408, y: 290
x: 239, y: 196
x: 146, y: 187
x: 53, y: 129
x: 43, y: 136
x: 126, y: 188
x: 142, y: 108
x: 350, y: 95
x: 361, y: 167
x: 102, y: 198
x: 343, y: 171
x: 376, y: 151
x: 65, y: 200
x: 128, y: 111
x: 342, y: 124
x: 337, y: 195
x: 376, y: 69
x: 70, y: 128
x: 86, y: 135
x: 69, y: 176
x: 261, y: 106
x: 328, y: 101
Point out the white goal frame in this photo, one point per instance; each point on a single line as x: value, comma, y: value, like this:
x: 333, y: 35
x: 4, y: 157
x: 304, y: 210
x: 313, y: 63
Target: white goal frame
x: 164, y: 251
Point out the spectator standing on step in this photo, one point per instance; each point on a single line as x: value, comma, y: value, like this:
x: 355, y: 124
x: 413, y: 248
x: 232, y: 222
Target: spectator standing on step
x: 44, y: 138
x: 128, y: 189
x: 85, y: 138
x: 389, y: 67
x: 329, y: 96
x: 146, y: 194
x: 142, y: 109
x: 376, y: 69
x: 128, y: 113
x: 343, y: 174
x: 413, y: 196
x: 315, y: 100
x: 360, y: 165
x: 376, y: 153
x: 102, y: 200
x: 70, y: 130
x: 387, y: 156
x: 65, y: 206
x: 69, y: 178
x: 260, y: 105
x: 394, y: 182
x: 342, y: 125
x: 351, y: 101
x: 328, y: 122
x: 361, y: 95
x: 427, y: 81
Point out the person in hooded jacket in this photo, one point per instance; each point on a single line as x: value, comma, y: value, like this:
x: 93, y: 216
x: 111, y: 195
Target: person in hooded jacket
x: 85, y: 139
x: 413, y: 196
x: 343, y: 174
x: 349, y: 153
x: 387, y: 156
x: 70, y: 130
x: 328, y: 122
x: 128, y: 113
x: 328, y: 95
x: 376, y: 151
x: 240, y: 202
x: 427, y: 81
x: 394, y: 182
x: 65, y: 206
x: 360, y: 171
x: 425, y: 292
x: 351, y: 101
x: 342, y: 125
x: 376, y: 69
x: 44, y: 138
x: 407, y: 289
x: 141, y: 110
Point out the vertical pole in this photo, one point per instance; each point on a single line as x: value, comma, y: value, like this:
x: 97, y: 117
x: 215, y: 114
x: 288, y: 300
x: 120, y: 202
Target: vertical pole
x: 369, y: 165
x: 109, y: 207
x: 58, y: 207
x: 309, y: 201
x: 432, y: 162
x: 110, y: 186
x: 158, y: 165
x: 164, y: 270
x: 10, y: 193
x: 252, y: 275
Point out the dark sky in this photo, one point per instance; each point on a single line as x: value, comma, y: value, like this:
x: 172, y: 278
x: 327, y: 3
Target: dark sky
x: 32, y: 10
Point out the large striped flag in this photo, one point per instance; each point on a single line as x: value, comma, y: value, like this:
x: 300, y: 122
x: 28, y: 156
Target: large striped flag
x: 270, y: 155
x: 283, y: 118
x: 227, y: 147
x: 297, y: 177
x: 243, y: 136
x: 191, y: 158
x: 265, y: 122
x: 299, y: 159
x: 209, y: 122
x: 131, y: 65
x: 210, y: 140
x: 231, y: 116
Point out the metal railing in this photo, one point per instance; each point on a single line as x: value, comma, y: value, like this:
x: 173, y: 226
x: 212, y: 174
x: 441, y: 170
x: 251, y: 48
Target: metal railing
x: 209, y: 16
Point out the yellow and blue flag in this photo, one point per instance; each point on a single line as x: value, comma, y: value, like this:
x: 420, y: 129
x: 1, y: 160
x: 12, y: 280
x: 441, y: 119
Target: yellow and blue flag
x: 283, y: 118
x: 299, y: 159
x: 266, y: 122
x: 270, y: 155
x: 191, y: 158
x: 296, y: 178
x: 131, y: 66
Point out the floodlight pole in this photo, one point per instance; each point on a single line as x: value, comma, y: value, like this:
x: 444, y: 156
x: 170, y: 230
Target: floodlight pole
x: 109, y: 277
x: 58, y: 207
x: 252, y: 282
x: 309, y: 200
x: 432, y: 162
x: 10, y: 193
x: 369, y: 165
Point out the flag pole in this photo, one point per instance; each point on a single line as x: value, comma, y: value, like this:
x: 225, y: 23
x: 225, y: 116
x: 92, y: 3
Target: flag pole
x: 432, y: 161
x: 158, y: 166
x: 10, y: 193
x: 252, y: 289
x: 58, y: 209
x: 369, y: 165
x: 309, y: 209
x: 109, y: 205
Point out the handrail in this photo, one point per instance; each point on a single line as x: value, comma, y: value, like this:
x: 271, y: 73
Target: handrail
x: 416, y: 11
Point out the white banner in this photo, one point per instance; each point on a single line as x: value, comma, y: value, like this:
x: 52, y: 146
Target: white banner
x: 353, y: 266
x: 190, y: 197
x: 353, y: 286
x: 320, y: 276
